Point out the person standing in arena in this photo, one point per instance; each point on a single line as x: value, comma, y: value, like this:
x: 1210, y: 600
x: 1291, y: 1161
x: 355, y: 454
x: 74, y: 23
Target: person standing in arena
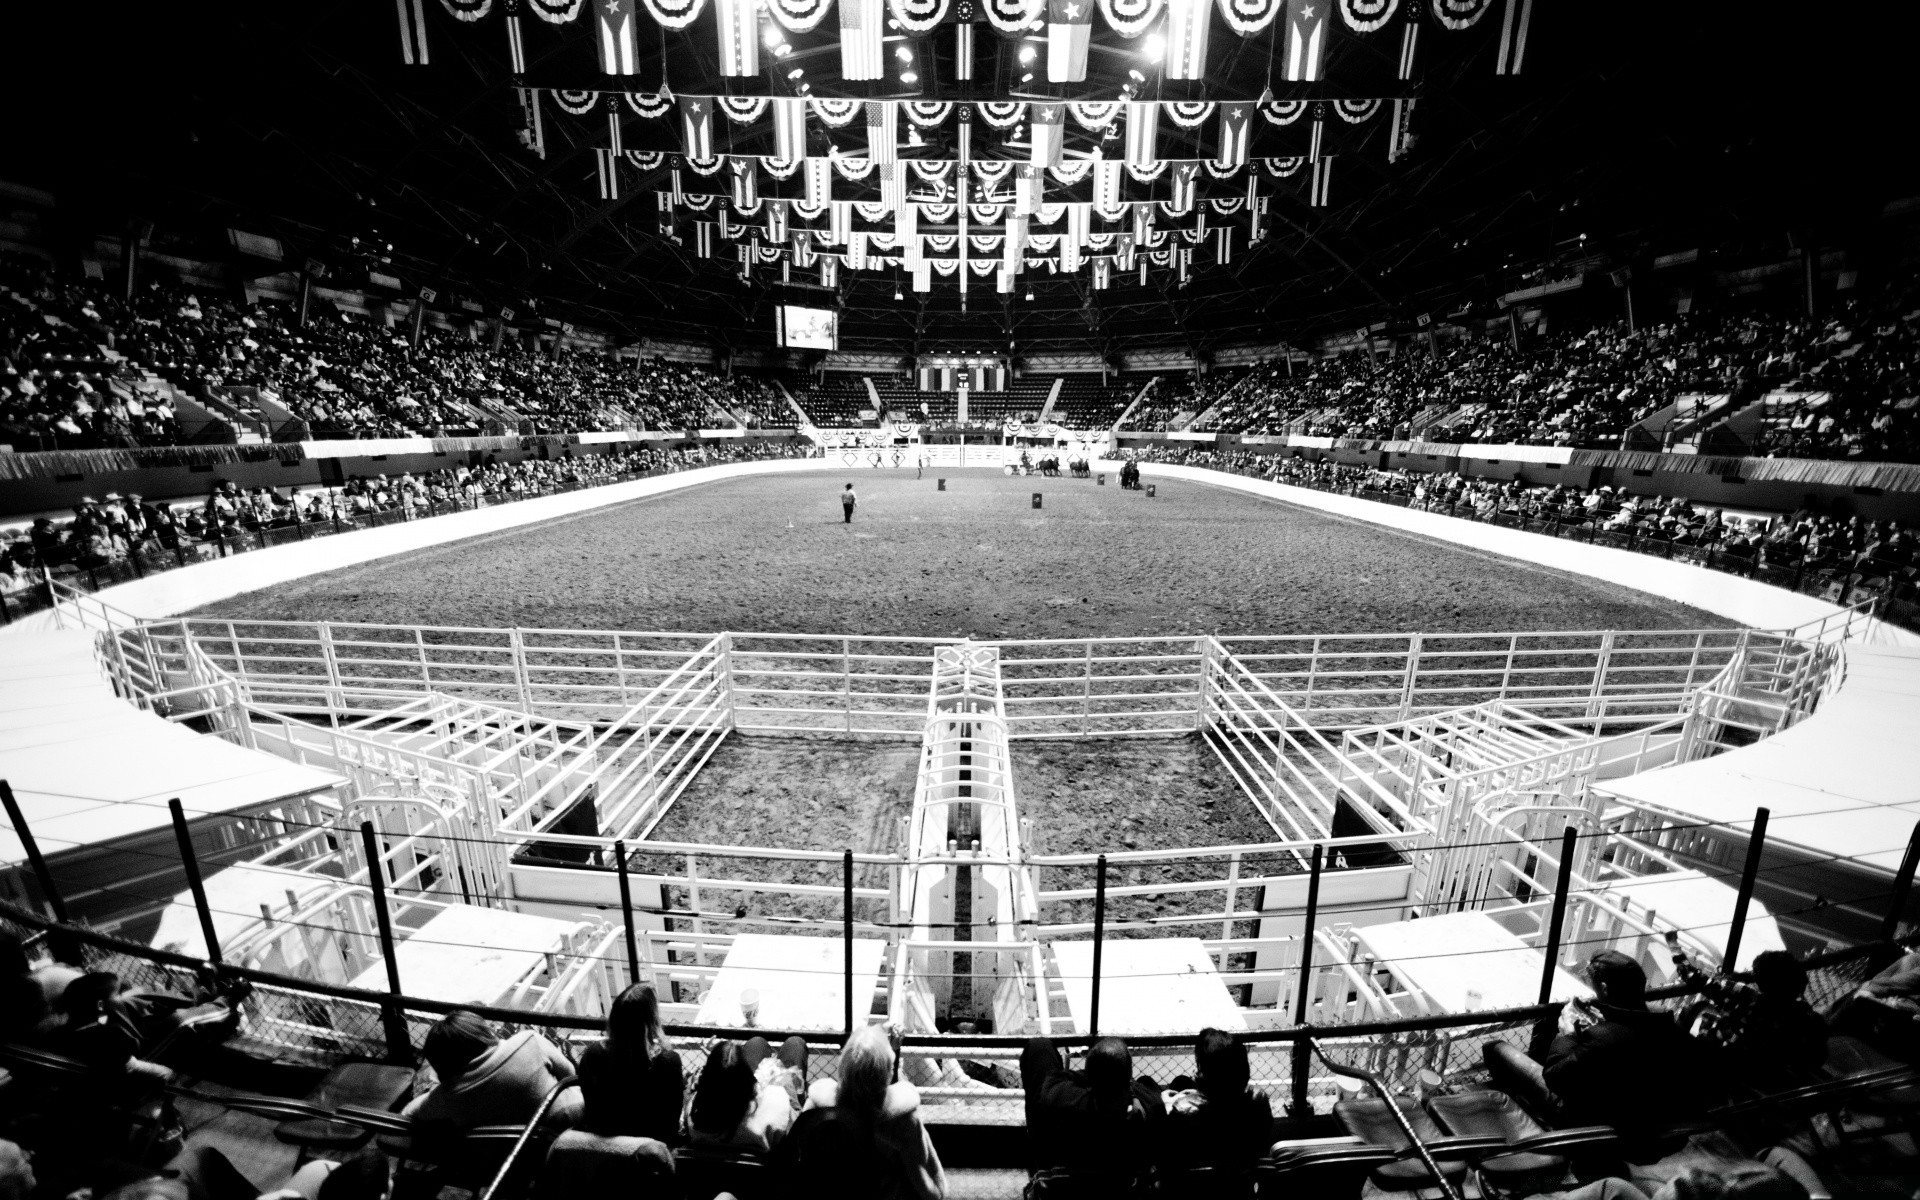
x: 847, y: 501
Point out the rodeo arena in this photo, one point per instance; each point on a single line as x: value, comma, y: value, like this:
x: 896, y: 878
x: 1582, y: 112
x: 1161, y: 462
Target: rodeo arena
x: 901, y: 599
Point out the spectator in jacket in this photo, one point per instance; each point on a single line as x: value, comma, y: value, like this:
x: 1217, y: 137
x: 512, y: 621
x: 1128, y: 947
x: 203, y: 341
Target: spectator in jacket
x: 1614, y: 1061
x: 475, y: 1078
x: 632, y: 1083
x: 1212, y: 1119
x: 1089, y: 1126
x: 861, y: 1135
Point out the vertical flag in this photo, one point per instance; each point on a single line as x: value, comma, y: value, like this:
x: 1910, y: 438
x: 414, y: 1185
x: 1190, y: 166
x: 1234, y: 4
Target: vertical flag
x: 1068, y: 23
x: 516, y: 48
x: 893, y: 186
x: 1400, y: 138
x: 1078, y: 226
x: 862, y: 22
x: 1187, y: 25
x: 966, y: 132
x: 679, y: 193
x: 776, y: 220
x: 413, y: 31
x: 1003, y: 279
x: 1306, y: 38
x: 883, y: 131
x: 1223, y: 245
x: 738, y: 22
x: 819, y: 181
x: 745, y: 173
x: 1319, y: 131
x: 1102, y: 273
x: 618, y: 26
x: 840, y: 222
x: 1235, y: 119
x: 1184, y: 174
x: 1106, y: 186
x: 1183, y: 259
x: 1048, y: 130
x: 1322, y: 181
x: 726, y: 226
x: 703, y: 239
x: 922, y: 276
x: 1143, y: 272
x: 906, y: 232
x: 856, y: 252
x: 604, y: 160
x: 1026, y: 189
x: 532, y: 135
x: 1143, y: 123
x: 1513, y: 36
x: 963, y: 65
x: 829, y: 272
x: 1013, y: 245
x: 696, y: 125
x: 1409, y: 40
x: 613, y: 102
x: 1253, y: 207
x: 1123, y: 250
x: 790, y: 127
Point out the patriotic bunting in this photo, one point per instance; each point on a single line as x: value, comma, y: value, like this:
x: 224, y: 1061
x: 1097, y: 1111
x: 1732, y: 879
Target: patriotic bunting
x: 577, y: 104
x: 918, y: 16
x: 835, y: 113
x: 648, y: 105
x: 1013, y: 16
x: 413, y: 31
x: 672, y: 14
x: 555, y: 12
x: 1003, y: 114
x: 1188, y: 114
x: 1459, y: 15
x: 1248, y: 17
x: 1283, y: 112
x: 926, y: 114
x: 646, y: 160
x: 467, y: 10
x: 799, y: 16
x: 1280, y: 168
x: 1355, y: 111
x: 1366, y: 16
x: 707, y: 166
x: 1130, y: 18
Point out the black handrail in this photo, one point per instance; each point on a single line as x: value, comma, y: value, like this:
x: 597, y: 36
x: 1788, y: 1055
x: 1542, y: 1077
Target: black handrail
x: 526, y: 1136
x: 1400, y: 1118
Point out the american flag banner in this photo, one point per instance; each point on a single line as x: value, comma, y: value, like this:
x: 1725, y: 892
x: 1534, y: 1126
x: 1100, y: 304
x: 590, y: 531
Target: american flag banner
x: 613, y: 123
x: 1048, y: 132
x: 789, y: 127
x: 776, y: 221
x: 922, y: 275
x: 516, y: 46
x: 1068, y: 24
x: 963, y: 69
x: 604, y: 161
x: 1187, y: 24
x: 1409, y: 40
x: 1143, y: 126
x: 1513, y: 36
x: 862, y: 24
x: 738, y: 22
x: 883, y: 132
x: 1026, y: 189
x: 819, y: 181
x: 726, y: 225
x: 1106, y: 187
x: 1236, y: 122
x: 618, y: 27
x: 1322, y: 181
x: 906, y: 231
x: 856, y: 252
x: 1184, y: 174
x: 533, y: 135
x: 696, y: 126
x: 703, y: 238
x: 679, y: 192
x: 1400, y: 138
x: 1306, y: 39
x: 1223, y: 245
x: 893, y: 186
x: 1102, y: 274
x: 839, y: 221
x: 829, y: 272
x: 745, y: 173
x: 1319, y: 132
x: 413, y: 31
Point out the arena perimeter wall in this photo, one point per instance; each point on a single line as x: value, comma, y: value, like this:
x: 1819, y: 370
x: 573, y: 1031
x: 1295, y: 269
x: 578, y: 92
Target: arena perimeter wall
x: 1756, y: 604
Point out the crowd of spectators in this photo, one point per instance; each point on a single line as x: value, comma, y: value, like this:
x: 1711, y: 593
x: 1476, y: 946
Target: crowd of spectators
x: 1813, y: 543
x: 109, y: 531
x: 80, y: 368
x: 1858, y: 371
x: 638, y: 1107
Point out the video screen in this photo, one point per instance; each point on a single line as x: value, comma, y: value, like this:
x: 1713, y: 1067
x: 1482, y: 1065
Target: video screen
x: 806, y: 328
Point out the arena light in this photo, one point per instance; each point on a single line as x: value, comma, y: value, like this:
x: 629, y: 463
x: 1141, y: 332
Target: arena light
x: 1155, y: 48
x: 903, y: 54
x: 796, y: 73
x: 909, y: 77
x: 772, y: 36
x: 1027, y: 53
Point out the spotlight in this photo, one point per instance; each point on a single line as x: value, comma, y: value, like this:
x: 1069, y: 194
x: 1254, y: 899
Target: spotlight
x: 781, y: 50
x: 908, y: 77
x: 796, y: 73
x: 773, y: 35
x: 1027, y: 78
x: 896, y: 292
x: 1029, y: 293
x: 1155, y: 49
x: 1137, y: 76
x: 1026, y: 54
x: 903, y: 54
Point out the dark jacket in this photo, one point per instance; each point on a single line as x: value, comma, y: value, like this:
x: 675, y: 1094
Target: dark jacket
x: 1103, y: 1141
x: 1203, y: 1131
x: 632, y: 1099
x: 1634, y: 1067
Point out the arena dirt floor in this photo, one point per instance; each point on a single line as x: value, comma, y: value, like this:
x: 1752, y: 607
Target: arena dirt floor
x: 771, y: 554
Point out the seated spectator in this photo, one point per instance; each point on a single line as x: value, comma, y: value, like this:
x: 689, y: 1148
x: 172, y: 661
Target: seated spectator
x: 95, y: 1023
x: 1770, y: 1035
x: 861, y: 1135
x: 1087, y: 1130
x: 210, y: 1175
x: 1614, y: 1061
x: 747, y: 1096
x: 1212, y: 1119
x: 474, y: 1078
x: 632, y: 1083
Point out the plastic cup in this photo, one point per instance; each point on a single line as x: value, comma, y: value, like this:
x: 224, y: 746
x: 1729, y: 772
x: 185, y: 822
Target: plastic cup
x: 750, y: 1005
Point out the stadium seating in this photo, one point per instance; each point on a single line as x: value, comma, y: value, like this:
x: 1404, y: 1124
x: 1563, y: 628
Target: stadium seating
x: 836, y: 398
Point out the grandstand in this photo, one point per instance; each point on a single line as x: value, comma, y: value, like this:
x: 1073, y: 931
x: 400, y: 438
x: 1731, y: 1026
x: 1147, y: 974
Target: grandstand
x: 373, y: 819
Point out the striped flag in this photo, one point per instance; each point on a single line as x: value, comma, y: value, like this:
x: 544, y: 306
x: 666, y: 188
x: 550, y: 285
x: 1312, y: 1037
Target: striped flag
x: 1184, y: 174
x: 1026, y: 189
x: 790, y: 127
x: 829, y: 272
x: 1102, y: 274
x: 605, y: 160
x: 1079, y: 219
x: 1123, y: 251
x: 819, y: 181
x: 1068, y: 23
x: 1319, y: 132
x: 1106, y: 186
x: 1322, y: 181
x: 1306, y: 38
x: 963, y: 68
x: 1513, y: 36
x: 516, y: 48
x: 1235, y: 122
x: 1223, y: 245
x: 618, y: 26
x: 696, y: 127
x: 1187, y: 24
x: 1048, y: 133
x: 703, y: 238
x: 883, y: 131
x: 1253, y: 207
x: 1143, y: 125
x: 613, y: 122
x: 862, y: 23
x: 1409, y: 40
x: 965, y: 126
x: 738, y: 22
x: 1400, y: 139
x: 906, y: 231
x: 923, y: 276
x: 745, y: 173
x: 413, y: 31
x: 776, y: 220
x: 856, y: 252
x: 840, y: 222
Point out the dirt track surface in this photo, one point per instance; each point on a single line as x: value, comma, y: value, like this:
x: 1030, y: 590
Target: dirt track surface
x: 771, y: 554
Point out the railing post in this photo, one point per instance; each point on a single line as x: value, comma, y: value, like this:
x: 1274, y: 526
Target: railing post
x: 726, y: 677
x: 192, y: 866
x: 626, y: 911
x: 1099, y: 937
x: 1550, y: 955
x: 41, y: 873
x: 846, y: 926
x: 1889, y: 927
x: 1302, y: 1048
x: 1413, y: 676
x: 1756, y: 842
x: 399, y: 1045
